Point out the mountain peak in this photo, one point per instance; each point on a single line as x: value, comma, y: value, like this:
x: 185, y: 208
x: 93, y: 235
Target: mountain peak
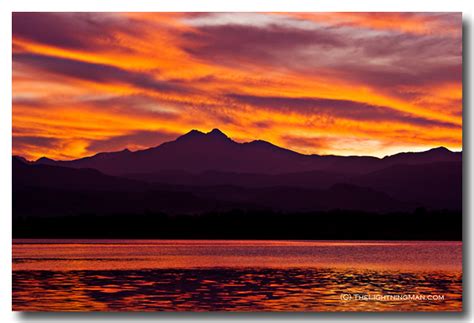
x: 214, y: 133
x: 44, y: 160
x: 440, y: 149
x: 217, y: 133
x: 191, y: 134
x: 194, y: 132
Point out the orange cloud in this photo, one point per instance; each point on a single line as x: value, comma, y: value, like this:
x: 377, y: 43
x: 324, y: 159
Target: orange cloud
x: 331, y: 83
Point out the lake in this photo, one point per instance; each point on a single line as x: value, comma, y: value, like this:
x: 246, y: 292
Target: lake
x: 236, y: 275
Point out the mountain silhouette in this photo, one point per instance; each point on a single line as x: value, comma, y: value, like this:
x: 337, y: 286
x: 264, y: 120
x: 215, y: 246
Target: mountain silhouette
x: 213, y: 167
x: 197, y: 152
x: 59, y: 202
x: 204, y: 185
x: 54, y: 190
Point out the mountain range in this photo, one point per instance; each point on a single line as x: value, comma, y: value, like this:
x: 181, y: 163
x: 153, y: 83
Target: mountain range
x: 200, y: 172
x: 198, y: 152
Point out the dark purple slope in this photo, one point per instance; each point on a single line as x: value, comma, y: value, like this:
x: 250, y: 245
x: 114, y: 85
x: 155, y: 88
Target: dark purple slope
x: 436, y: 185
x: 45, y: 190
x: 27, y: 175
x: 439, y: 154
x: 286, y: 198
x: 309, y: 179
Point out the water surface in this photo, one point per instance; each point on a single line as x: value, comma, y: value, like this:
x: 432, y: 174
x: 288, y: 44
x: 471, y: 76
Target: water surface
x: 200, y: 275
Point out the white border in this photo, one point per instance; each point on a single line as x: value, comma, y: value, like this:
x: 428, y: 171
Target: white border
x: 241, y: 5
x: 8, y: 6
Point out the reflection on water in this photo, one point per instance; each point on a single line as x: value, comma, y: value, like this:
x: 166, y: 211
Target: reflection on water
x: 233, y: 275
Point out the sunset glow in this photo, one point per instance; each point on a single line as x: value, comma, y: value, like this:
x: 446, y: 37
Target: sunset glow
x: 317, y: 83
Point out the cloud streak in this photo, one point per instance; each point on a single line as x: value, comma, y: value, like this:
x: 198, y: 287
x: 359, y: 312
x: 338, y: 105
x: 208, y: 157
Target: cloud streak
x: 99, y: 73
x: 134, y: 141
x: 83, y: 31
x: 347, y: 109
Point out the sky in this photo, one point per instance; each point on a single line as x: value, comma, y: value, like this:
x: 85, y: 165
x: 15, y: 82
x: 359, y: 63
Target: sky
x: 317, y: 83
